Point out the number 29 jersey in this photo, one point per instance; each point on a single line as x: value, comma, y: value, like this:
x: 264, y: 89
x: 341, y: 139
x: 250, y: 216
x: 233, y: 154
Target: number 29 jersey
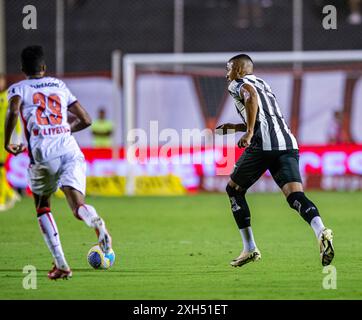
x: 44, y: 107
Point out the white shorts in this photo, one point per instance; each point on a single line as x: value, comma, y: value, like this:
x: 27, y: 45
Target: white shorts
x: 68, y: 170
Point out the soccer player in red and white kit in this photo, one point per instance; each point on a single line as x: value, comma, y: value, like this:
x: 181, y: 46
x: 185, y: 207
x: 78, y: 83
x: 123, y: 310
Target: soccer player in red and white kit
x: 55, y: 157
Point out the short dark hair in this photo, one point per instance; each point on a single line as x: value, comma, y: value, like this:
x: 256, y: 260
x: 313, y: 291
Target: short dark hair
x: 242, y: 56
x: 32, y: 58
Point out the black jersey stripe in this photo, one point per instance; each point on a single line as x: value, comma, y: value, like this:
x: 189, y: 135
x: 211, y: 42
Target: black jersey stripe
x: 287, y: 140
x: 279, y: 117
x: 272, y: 132
x: 240, y: 83
x: 240, y: 80
x: 268, y: 115
x: 281, y: 123
x: 286, y: 135
x: 268, y: 131
x: 238, y: 97
x: 240, y: 114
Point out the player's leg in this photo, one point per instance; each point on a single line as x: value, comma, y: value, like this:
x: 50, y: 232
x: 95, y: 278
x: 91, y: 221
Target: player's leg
x: 73, y: 182
x: 43, y: 182
x: 89, y: 215
x: 309, y: 212
x: 248, y: 170
x: 50, y: 233
x: 241, y: 212
x: 285, y: 172
x: 298, y: 201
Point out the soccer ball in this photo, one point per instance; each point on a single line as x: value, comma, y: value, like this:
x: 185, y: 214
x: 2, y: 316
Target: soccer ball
x: 97, y: 259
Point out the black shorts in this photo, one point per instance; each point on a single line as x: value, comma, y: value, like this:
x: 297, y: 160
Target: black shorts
x: 283, y: 166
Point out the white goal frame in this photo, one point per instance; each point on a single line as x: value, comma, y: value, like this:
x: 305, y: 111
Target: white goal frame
x: 131, y: 61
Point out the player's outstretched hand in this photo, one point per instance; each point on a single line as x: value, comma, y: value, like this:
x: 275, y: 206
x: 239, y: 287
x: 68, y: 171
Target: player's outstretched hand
x: 15, y: 149
x: 245, y: 140
x: 223, y: 128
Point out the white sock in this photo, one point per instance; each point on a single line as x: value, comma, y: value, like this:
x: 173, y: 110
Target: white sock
x: 248, y: 239
x: 51, y: 237
x: 88, y: 214
x: 317, y: 225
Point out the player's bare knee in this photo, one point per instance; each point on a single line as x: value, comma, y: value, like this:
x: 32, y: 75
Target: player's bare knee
x: 42, y: 203
x: 233, y: 189
x: 75, y: 210
x: 292, y: 187
x: 75, y: 204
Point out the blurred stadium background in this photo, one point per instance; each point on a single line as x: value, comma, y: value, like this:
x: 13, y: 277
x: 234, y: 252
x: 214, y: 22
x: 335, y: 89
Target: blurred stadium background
x: 159, y: 66
x: 90, y: 46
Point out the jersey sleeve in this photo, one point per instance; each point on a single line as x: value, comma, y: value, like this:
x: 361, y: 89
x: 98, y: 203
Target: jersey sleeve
x: 236, y: 86
x: 15, y: 90
x: 69, y: 96
x: 242, y: 92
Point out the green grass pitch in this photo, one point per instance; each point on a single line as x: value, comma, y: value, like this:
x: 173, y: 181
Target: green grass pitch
x: 180, y: 248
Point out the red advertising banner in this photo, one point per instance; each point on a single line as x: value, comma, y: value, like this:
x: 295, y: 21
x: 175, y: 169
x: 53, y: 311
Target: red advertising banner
x: 327, y: 167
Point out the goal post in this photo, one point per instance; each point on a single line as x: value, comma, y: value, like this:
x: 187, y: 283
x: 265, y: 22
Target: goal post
x: 135, y: 65
x: 132, y: 61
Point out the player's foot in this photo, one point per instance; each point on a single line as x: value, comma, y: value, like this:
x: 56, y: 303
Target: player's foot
x: 326, y: 247
x: 56, y: 273
x: 245, y: 257
x: 104, y: 238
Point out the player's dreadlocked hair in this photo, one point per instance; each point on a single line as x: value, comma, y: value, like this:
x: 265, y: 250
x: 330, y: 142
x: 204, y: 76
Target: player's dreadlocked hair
x: 243, y: 57
x: 32, y: 58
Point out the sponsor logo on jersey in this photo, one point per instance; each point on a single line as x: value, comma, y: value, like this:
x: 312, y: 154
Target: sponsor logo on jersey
x: 51, y: 131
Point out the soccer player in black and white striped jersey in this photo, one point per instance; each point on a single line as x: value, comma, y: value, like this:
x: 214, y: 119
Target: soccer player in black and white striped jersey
x: 270, y: 145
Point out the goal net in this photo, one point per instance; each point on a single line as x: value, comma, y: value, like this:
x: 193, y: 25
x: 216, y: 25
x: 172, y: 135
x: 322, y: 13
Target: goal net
x: 173, y: 102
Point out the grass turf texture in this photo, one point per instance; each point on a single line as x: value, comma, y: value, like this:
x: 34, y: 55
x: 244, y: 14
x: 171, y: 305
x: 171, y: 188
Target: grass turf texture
x: 180, y: 248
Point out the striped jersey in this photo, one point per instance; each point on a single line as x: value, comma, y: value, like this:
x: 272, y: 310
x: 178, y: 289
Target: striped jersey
x: 271, y: 131
x: 44, y: 107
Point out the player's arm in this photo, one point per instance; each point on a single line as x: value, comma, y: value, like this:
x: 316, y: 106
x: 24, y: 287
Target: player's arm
x: 81, y: 120
x: 223, y: 128
x: 10, y: 124
x: 251, y: 106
